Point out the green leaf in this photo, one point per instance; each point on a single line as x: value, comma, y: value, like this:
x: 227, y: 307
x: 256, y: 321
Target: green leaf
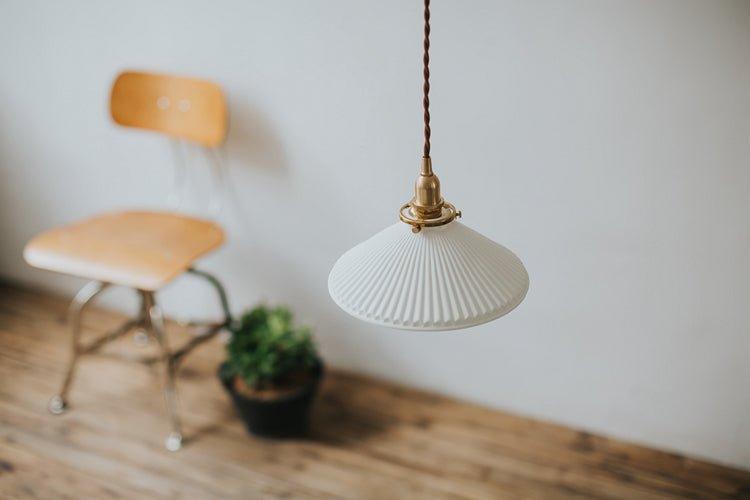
x: 266, y: 345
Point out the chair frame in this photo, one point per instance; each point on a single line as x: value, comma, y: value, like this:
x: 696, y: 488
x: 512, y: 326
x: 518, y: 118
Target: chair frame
x: 150, y: 323
x: 144, y: 101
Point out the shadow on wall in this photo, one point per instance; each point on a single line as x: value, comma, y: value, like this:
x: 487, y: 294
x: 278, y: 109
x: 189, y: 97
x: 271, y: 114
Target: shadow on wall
x: 253, y: 265
x: 252, y: 139
x: 252, y: 144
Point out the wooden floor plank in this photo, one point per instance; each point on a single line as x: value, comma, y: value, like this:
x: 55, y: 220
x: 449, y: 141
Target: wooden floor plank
x: 369, y: 439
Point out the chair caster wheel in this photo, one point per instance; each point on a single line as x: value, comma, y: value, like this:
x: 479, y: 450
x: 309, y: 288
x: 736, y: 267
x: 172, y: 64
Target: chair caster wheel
x: 57, y: 405
x: 141, y: 338
x: 174, y: 441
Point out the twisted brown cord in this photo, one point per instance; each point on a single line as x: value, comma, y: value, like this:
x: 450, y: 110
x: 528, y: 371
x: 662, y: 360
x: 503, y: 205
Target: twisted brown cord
x: 426, y: 86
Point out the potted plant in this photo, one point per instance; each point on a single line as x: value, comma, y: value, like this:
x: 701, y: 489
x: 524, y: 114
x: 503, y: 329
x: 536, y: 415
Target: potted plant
x: 272, y: 372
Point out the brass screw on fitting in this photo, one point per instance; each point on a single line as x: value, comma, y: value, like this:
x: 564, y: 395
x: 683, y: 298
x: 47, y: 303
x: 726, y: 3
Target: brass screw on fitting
x: 427, y: 207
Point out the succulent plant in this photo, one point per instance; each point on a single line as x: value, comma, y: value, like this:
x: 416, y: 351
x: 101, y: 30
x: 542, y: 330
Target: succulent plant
x: 266, y: 348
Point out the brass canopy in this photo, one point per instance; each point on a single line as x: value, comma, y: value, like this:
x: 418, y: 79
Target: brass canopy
x: 427, y: 208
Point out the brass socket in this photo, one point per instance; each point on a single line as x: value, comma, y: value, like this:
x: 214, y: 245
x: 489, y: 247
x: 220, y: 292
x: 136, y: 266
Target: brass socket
x: 427, y: 202
x: 427, y: 208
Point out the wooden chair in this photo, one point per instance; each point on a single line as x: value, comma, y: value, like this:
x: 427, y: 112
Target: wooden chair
x: 140, y: 249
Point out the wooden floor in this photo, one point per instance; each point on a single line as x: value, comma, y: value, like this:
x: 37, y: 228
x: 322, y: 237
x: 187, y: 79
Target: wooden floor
x: 369, y: 439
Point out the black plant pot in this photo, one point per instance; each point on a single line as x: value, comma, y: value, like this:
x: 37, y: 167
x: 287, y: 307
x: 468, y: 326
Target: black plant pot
x: 283, y: 417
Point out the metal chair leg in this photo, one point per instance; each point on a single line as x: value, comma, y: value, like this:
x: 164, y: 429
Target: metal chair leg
x: 141, y: 338
x: 58, y: 403
x: 155, y: 323
x: 219, y: 290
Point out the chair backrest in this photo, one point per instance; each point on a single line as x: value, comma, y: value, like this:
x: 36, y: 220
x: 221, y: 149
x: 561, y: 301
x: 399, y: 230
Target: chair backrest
x: 179, y: 107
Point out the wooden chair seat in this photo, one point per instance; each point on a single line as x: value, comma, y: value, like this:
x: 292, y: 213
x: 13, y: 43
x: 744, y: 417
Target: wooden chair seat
x: 143, y: 250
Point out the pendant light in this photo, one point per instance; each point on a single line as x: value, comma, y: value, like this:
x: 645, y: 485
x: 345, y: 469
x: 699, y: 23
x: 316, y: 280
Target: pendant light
x: 428, y: 271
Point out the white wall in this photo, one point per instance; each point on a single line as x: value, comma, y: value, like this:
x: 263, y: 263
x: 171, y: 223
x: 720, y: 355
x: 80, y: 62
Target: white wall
x: 605, y: 142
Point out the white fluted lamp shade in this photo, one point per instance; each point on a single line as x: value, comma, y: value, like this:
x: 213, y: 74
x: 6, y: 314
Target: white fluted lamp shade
x: 442, y: 278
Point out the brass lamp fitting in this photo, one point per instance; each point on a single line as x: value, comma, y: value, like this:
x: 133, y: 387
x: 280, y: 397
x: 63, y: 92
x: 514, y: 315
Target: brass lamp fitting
x: 427, y: 202
x: 427, y: 208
